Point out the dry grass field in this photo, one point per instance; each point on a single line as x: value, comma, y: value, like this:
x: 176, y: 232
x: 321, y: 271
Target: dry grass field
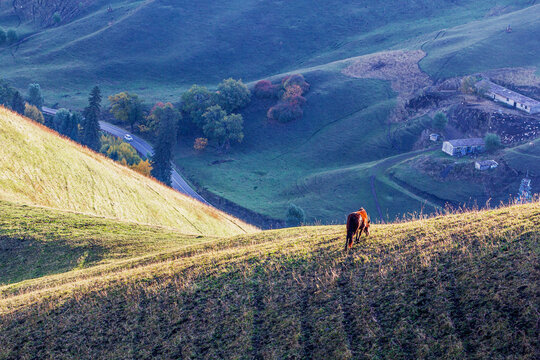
x: 461, y: 286
x: 41, y: 168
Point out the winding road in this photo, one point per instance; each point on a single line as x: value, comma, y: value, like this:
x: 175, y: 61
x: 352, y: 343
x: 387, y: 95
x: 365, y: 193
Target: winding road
x: 144, y: 148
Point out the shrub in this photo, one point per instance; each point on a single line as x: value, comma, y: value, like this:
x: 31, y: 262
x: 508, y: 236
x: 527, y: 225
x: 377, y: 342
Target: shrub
x: 439, y: 121
x: 493, y: 142
x: 264, y: 89
x: 11, y: 36
x: 285, y: 112
x: 200, y: 143
x: 295, y: 215
x: 32, y: 112
x: 295, y: 79
x: 143, y: 167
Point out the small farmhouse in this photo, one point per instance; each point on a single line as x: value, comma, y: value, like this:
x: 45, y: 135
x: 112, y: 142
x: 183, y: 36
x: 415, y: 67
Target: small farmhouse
x: 462, y: 147
x: 509, y: 97
x: 485, y: 165
x: 434, y: 137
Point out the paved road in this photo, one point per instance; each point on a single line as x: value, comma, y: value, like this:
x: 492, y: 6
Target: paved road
x: 144, y: 148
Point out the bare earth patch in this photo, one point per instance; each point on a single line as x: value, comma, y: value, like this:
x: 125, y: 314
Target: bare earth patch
x: 400, y: 67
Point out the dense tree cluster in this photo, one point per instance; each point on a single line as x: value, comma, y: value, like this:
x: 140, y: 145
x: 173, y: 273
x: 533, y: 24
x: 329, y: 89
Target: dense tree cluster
x: 11, y: 98
x: 67, y: 123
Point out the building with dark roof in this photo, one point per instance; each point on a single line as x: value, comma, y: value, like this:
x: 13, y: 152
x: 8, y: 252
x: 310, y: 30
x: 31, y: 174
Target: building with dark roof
x: 509, y: 97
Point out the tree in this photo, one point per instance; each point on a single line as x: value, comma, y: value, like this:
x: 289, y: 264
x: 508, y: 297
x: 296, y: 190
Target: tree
x: 35, y: 96
x: 90, y: 125
x: 3, y: 36
x: 127, y: 108
x: 60, y: 120
x: 32, y: 112
x: 295, y: 215
x: 161, y: 161
x: 57, y: 18
x: 492, y: 141
x: 158, y: 112
x: 195, y: 102
x: 223, y: 128
x: 67, y: 123
x: 439, y: 121
x: 232, y: 95
x: 17, y: 103
x: 11, y: 36
x: 468, y: 85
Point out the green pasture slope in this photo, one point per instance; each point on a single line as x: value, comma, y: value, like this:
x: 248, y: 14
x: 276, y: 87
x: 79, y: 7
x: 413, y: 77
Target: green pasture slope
x: 37, y: 242
x: 483, y: 45
x: 321, y: 162
x: 424, y: 289
x: 158, y: 48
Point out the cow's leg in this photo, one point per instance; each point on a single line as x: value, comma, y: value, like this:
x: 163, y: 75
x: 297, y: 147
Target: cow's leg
x: 348, y: 241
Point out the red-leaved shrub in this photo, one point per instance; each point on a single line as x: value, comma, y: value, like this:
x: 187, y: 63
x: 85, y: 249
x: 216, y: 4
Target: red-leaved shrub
x: 295, y: 79
x: 265, y: 89
x: 285, y: 112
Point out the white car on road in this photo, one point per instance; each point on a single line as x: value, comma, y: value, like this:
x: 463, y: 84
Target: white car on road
x: 128, y: 137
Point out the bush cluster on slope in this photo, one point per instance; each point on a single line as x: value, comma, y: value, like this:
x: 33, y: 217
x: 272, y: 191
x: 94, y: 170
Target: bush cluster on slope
x: 289, y: 93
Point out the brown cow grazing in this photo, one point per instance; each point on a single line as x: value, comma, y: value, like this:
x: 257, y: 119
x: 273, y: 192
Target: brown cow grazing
x: 357, y: 222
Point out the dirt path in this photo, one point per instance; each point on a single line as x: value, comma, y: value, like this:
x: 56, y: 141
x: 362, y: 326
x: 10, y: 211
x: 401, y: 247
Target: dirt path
x: 378, y: 173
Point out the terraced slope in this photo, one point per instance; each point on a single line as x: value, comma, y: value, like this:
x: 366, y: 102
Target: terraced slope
x: 454, y: 287
x: 39, y: 167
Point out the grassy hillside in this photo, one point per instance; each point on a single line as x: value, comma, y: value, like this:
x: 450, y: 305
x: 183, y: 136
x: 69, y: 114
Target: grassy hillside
x: 454, y: 287
x: 39, y: 167
x: 157, y: 48
x: 38, y: 241
x: 483, y: 45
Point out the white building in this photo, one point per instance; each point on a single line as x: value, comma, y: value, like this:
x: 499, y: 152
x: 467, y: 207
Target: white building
x: 509, y: 97
x: 462, y: 147
x: 485, y: 165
